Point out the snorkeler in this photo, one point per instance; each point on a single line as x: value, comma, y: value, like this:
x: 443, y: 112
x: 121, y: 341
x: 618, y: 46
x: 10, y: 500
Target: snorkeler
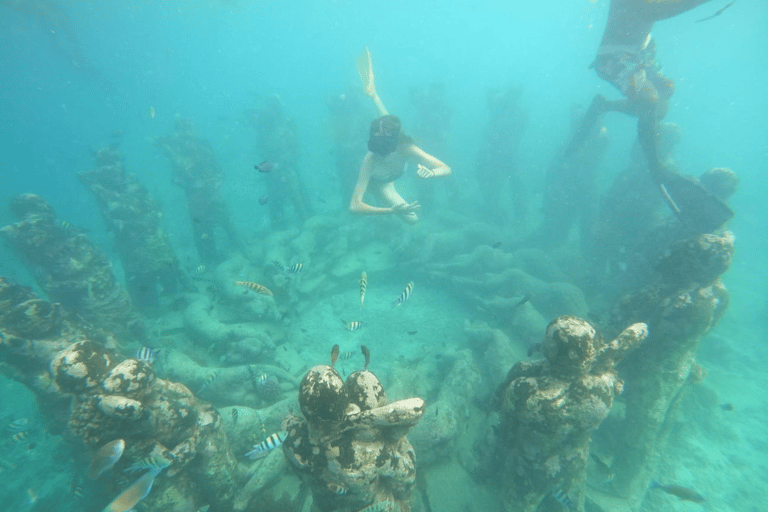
x: 626, y: 59
x: 389, y: 150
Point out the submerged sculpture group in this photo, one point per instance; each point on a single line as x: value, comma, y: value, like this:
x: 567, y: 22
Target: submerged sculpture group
x: 350, y: 446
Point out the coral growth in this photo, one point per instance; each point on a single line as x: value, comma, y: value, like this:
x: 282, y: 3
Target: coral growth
x: 550, y: 408
x: 350, y: 447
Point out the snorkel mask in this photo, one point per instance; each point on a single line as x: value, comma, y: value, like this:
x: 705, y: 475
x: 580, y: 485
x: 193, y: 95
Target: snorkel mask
x: 385, y: 135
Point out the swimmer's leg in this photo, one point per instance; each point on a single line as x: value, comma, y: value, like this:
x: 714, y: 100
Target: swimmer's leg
x: 599, y: 106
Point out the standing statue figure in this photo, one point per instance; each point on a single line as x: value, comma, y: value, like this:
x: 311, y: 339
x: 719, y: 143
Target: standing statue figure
x: 550, y: 407
x: 277, y: 141
x: 196, y: 170
x: 497, y: 161
x: 69, y: 268
x: 134, y: 216
x: 351, y: 446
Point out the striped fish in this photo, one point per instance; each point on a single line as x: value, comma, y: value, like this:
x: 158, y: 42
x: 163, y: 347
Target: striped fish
x: 279, y: 266
x: 128, y: 499
x: 234, y: 416
x: 296, y: 268
x: 151, y: 463
x: 147, y: 354
x: 363, y: 286
x: 19, y: 437
x: 337, y: 489
x: 79, y: 492
x: 19, y: 425
x: 255, y: 287
x: 345, y: 355
x: 353, y: 326
x: 201, y: 269
x: 208, y: 381
x: 562, y: 497
x: 263, y: 448
x: 405, y: 295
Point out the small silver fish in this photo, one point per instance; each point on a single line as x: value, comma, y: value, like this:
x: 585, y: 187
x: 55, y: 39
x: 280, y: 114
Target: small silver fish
x: 603, y: 468
x: 263, y: 448
x: 265, y: 166
x: 405, y: 295
x: 106, y: 457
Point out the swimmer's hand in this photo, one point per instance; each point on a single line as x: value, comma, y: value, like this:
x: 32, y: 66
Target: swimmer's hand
x: 425, y: 172
x: 404, y: 208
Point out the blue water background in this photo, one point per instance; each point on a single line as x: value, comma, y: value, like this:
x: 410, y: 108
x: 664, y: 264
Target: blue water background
x: 209, y: 61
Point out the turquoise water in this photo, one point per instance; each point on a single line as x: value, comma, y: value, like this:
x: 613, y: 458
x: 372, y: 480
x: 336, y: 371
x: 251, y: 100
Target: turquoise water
x: 78, y: 76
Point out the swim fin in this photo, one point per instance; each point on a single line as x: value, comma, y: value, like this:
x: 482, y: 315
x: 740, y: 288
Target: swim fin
x: 365, y: 68
x: 697, y: 208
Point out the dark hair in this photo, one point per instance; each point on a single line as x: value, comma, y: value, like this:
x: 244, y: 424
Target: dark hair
x: 386, y: 135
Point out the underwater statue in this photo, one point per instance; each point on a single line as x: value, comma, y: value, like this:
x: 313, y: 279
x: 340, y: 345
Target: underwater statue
x: 277, y: 141
x: 101, y: 398
x: 550, y: 407
x: 69, y: 268
x: 134, y: 216
x: 350, y: 447
x: 196, y: 170
x: 686, y: 300
x: 498, y: 162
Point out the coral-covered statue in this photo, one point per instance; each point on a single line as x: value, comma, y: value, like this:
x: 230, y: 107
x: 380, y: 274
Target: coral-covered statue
x: 550, y: 407
x: 351, y: 448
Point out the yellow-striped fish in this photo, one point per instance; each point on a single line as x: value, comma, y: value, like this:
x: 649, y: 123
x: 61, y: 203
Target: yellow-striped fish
x: 353, y: 326
x: 405, y: 295
x: 128, y: 499
x: 208, y: 381
x: 255, y: 287
x: 19, y: 437
x: 19, y: 425
x: 363, y: 286
x: 263, y: 448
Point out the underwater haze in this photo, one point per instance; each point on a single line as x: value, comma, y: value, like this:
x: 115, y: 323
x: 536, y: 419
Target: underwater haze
x: 230, y: 280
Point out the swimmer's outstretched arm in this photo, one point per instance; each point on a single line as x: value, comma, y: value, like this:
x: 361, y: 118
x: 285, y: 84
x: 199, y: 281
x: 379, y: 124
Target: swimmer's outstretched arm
x: 433, y: 168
